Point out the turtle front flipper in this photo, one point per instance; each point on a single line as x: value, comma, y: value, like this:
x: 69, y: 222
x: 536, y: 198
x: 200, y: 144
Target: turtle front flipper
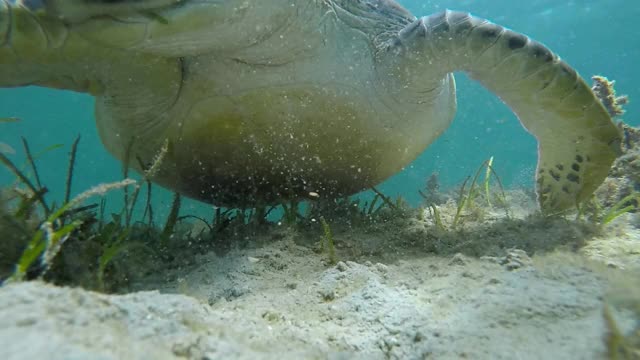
x: 80, y: 10
x: 577, y: 139
x: 27, y: 36
x: 134, y: 91
x: 37, y: 48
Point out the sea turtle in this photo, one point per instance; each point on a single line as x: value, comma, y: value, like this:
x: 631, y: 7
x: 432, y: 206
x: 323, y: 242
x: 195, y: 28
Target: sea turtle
x: 268, y: 100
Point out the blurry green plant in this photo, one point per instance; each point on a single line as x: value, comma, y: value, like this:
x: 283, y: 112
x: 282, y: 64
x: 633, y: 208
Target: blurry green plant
x: 437, y: 218
x: 328, y: 239
x: 469, y: 200
x: 172, y: 220
x: 470, y: 196
x: 49, y: 238
x: 49, y: 228
x: 619, y: 346
x: 602, y: 216
x: 58, y: 224
x: 626, y: 204
x: 354, y: 210
x: 290, y: 213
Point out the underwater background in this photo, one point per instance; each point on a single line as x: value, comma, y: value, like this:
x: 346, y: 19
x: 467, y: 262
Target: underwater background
x: 594, y: 36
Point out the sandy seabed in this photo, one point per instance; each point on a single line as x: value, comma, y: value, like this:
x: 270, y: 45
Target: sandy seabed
x: 518, y: 288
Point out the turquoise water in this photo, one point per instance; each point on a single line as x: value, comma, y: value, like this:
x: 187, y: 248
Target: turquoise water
x: 596, y: 37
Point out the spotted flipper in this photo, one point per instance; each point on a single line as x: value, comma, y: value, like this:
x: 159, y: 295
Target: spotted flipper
x: 577, y: 139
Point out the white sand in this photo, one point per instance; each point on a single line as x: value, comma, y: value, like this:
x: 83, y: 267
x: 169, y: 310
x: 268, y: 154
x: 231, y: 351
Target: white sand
x: 280, y: 299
